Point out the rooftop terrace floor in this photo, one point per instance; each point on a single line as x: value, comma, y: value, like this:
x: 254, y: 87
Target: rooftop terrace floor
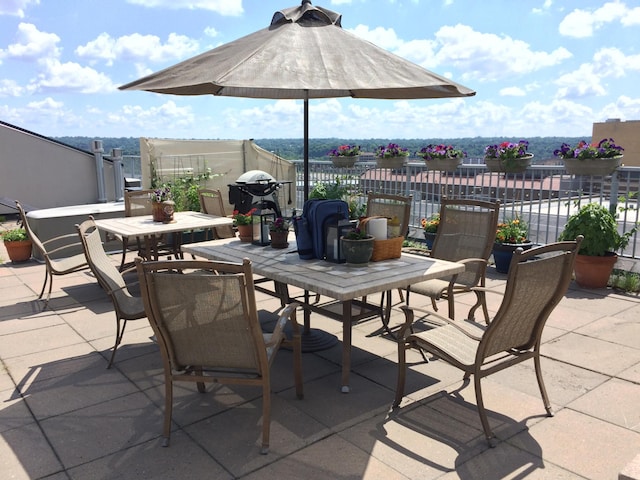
x: 63, y: 415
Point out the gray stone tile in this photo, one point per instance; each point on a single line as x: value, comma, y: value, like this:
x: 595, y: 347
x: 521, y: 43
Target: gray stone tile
x: 623, y: 411
x: 581, y: 443
x: 39, y: 340
x: 621, y: 330
x: 26, y: 454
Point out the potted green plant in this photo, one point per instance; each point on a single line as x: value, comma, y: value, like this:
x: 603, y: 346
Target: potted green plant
x: 508, y: 157
x: 601, y: 158
x: 341, y: 189
x: 391, y: 156
x: 444, y: 158
x: 597, y: 254
x: 430, y: 227
x: 511, y: 234
x: 345, y: 156
x: 357, y: 246
x: 17, y: 243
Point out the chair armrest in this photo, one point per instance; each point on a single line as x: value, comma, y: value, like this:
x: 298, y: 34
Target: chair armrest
x: 288, y: 315
x: 480, y: 267
x: 409, y: 313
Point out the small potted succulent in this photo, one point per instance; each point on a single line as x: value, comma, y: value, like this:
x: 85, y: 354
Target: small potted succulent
x: 17, y: 243
x: 391, y: 156
x: 345, y: 156
x: 597, y: 254
x: 444, y: 158
x: 508, y: 157
x: 601, y: 158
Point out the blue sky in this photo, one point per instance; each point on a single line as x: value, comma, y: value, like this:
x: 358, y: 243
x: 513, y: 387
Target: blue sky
x: 539, y: 67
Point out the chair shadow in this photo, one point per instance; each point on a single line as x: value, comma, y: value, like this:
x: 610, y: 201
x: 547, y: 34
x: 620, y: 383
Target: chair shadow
x: 448, y: 418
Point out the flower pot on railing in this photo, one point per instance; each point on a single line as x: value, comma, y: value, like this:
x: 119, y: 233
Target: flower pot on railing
x: 393, y: 163
x: 344, y: 162
x: 508, y: 165
x: 444, y: 164
x: 592, y: 166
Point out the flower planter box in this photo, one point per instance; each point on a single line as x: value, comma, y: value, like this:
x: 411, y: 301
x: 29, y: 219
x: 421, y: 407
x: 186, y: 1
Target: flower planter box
x: 443, y: 164
x: 344, y: 162
x: 394, y: 163
x: 511, y: 165
x: 592, y: 166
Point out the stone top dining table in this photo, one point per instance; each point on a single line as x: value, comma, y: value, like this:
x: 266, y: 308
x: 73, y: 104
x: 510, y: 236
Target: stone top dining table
x: 144, y: 226
x: 342, y: 282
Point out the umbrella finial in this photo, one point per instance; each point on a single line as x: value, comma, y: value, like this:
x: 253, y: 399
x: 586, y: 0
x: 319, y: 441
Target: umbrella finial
x: 308, y: 14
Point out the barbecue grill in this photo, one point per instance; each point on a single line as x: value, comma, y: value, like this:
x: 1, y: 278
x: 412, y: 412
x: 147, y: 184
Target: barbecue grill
x: 255, y: 189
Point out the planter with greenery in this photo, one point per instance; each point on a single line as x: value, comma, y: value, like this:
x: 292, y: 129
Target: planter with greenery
x: 341, y: 189
x: 511, y: 234
x: 597, y: 254
x: 443, y: 158
x: 345, y: 156
x: 391, y: 156
x: 17, y: 244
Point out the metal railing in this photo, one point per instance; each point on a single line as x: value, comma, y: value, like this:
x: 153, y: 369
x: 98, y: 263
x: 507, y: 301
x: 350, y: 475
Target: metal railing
x: 544, y: 196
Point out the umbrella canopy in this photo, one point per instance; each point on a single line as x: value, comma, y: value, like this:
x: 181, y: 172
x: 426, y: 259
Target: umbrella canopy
x: 303, y: 54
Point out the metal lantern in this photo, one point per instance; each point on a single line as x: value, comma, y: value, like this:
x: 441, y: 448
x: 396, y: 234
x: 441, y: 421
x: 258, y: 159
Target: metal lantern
x: 333, y: 249
x: 262, y: 217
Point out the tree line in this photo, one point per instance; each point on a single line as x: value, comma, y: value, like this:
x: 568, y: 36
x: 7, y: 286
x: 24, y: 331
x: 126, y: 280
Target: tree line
x: 293, y: 148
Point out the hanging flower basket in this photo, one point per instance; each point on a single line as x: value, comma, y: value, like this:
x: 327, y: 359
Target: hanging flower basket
x: 444, y: 164
x: 592, y: 166
x: 344, y: 162
x: 390, y: 162
x: 508, y: 165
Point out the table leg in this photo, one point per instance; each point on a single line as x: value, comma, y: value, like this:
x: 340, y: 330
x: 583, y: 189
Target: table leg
x: 346, y: 345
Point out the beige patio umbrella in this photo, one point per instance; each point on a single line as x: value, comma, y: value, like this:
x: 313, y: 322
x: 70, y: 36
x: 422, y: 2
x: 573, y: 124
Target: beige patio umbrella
x: 303, y: 54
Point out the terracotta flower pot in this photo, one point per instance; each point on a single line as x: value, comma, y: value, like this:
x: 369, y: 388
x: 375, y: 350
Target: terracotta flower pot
x: 245, y: 232
x: 279, y: 239
x: 594, y: 272
x: 19, y: 251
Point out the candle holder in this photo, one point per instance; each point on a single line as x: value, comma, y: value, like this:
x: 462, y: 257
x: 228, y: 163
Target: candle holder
x: 261, y: 219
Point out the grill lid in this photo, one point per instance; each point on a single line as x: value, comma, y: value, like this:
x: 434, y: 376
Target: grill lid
x: 255, y: 177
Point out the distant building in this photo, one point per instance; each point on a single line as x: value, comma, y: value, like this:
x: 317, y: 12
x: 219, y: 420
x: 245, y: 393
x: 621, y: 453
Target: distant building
x: 626, y: 134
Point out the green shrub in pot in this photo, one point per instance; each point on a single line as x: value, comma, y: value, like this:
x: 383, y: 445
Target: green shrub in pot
x: 15, y: 235
x: 600, y: 231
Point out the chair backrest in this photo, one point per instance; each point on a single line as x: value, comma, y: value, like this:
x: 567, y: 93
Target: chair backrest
x: 211, y: 202
x: 108, y: 276
x: 138, y: 203
x: 391, y: 206
x: 537, y: 281
x: 35, y: 241
x: 467, y: 229
x: 204, y: 313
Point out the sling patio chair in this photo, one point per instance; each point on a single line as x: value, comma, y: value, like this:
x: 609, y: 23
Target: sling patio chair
x: 211, y: 204
x: 391, y: 207
x: 57, y: 253
x: 138, y: 203
x: 537, y: 281
x: 205, y: 319
x: 127, y: 305
x: 466, y: 234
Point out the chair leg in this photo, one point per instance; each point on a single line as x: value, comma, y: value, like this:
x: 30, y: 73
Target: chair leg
x: 119, y: 334
x: 402, y: 372
x: 266, y: 417
x: 543, y: 390
x: 297, y: 366
x: 483, y: 413
x: 125, y: 246
x: 481, y: 300
x: 168, y: 409
x: 46, y: 277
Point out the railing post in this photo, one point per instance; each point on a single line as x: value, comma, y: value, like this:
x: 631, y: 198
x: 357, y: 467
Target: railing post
x: 613, y: 203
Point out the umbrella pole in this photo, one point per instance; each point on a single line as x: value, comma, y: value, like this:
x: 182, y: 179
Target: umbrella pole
x: 306, y: 145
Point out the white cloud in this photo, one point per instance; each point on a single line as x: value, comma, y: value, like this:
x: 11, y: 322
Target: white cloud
x: 625, y: 108
x: 32, y: 44
x: 16, y: 7
x: 583, y: 23
x: 137, y: 47
x: 382, y: 37
x: 72, y: 77
x: 488, y: 57
x: 10, y: 88
x: 232, y: 8
x: 512, y: 92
